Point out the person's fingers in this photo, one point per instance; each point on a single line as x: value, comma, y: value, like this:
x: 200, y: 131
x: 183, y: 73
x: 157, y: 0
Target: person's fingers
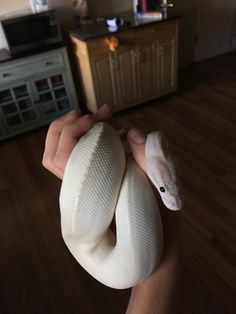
x: 103, y: 114
x: 63, y: 135
x: 137, y: 142
x: 68, y: 139
x: 71, y: 133
x: 53, y: 136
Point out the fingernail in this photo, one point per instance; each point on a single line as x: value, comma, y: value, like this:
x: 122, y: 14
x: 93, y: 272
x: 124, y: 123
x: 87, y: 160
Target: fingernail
x: 103, y: 113
x: 86, y: 117
x: 124, y: 131
x: 136, y: 136
x: 106, y: 106
x: 74, y: 111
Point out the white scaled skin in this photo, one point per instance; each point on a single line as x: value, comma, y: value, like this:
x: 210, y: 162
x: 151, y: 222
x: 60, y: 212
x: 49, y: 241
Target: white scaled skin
x: 161, y: 170
x: 99, y: 184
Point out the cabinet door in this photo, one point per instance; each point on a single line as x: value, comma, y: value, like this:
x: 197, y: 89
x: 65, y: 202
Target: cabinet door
x: 34, y: 90
x: 124, y: 75
x: 146, y: 61
x: 102, y: 77
x: 16, y: 107
x: 51, y: 95
x: 167, y: 65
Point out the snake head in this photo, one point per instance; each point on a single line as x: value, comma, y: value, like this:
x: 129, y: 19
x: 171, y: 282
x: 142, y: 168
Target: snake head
x: 162, y: 171
x: 163, y: 176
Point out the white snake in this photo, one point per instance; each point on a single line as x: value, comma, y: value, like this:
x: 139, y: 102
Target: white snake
x: 99, y: 184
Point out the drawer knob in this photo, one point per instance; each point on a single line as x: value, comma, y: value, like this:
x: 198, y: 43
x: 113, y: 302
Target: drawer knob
x: 49, y: 63
x: 6, y: 74
x: 112, y: 42
x: 137, y: 55
x: 115, y: 62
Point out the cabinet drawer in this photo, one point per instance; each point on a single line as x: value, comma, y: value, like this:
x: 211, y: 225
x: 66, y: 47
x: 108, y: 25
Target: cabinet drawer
x: 155, y: 31
x: 99, y: 46
x: 31, y: 66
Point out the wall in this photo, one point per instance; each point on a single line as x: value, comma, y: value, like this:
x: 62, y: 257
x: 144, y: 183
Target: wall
x: 10, y: 6
x: 7, y: 6
x: 108, y: 7
x: 187, y: 30
x: 96, y: 8
x: 64, y: 10
x: 214, y: 27
x: 205, y: 28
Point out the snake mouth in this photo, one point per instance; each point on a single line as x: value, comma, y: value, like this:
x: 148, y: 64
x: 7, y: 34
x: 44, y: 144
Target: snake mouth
x: 173, y: 202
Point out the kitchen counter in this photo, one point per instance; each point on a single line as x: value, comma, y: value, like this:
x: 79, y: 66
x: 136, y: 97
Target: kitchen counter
x: 99, y: 29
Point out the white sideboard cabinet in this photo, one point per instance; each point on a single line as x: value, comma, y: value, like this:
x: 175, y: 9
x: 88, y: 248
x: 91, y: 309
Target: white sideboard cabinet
x: 34, y: 90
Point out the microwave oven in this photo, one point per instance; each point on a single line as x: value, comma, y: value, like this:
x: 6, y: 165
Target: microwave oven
x: 32, y: 31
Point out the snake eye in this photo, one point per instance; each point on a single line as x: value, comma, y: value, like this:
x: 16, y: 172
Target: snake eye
x: 162, y: 189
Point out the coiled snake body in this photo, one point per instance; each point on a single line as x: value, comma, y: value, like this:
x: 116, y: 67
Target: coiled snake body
x: 99, y: 184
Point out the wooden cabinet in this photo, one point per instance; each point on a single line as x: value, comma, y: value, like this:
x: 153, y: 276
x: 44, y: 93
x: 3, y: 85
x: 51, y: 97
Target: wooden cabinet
x: 143, y: 67
x: 34, y: 90
x: 102, y: 79
x: 167, y: 65
x: 147, y: 69
x: 124, y: 79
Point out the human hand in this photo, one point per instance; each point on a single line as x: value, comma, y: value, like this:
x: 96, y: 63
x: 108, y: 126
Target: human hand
x: 64, y: 133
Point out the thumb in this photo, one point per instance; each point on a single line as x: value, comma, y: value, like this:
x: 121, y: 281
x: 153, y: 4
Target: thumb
x: 137, y: 140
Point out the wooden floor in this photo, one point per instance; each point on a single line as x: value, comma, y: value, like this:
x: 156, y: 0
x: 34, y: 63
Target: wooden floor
x: 37, y: 273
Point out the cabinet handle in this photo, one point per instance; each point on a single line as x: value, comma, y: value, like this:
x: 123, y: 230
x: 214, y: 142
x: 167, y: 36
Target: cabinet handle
x: 6, y: 75
x: 115, y: 63
x: 137, y: 56
x: 49, y: 63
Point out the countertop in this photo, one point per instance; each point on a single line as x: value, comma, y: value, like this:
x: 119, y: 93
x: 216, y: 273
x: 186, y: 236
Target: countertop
x: 96, y: 29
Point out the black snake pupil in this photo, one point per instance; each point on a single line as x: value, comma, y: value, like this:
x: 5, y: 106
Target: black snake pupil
x: 162, y: 189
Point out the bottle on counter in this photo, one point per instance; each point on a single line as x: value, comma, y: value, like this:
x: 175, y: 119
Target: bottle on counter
x: 143, y: 6
x: 80, y: 10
